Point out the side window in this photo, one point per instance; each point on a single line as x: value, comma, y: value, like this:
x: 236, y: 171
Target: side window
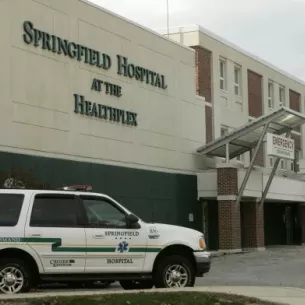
x: 55, y: 211
x: 102, y: 214
x: 10, y: 208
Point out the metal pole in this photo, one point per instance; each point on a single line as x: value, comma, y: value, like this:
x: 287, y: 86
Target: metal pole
x: 227, y: 153
x: 275, y: 166
x: 248, y: 172
x: 167, y: 17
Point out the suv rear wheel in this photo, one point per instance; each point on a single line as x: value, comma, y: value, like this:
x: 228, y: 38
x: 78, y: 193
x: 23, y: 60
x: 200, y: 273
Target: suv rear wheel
x: 173, y: 272
x: 15, y: 276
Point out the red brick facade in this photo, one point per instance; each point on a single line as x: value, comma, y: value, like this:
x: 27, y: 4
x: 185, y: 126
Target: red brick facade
x: 255, y: 94
x: 255, y: 101
x: 227, y: 181
x: 204, y: 85
x: 260, y: 158
x: 297, y: 139
x: 203, y: 73
x: 252, y: 219
x: 240, y: 225
x: 208, y: 124
x: 228, y: 210
x: 229, y: 225
x: 294, y: 101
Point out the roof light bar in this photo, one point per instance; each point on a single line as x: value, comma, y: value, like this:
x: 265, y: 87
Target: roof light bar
x: 84, y: 188
x: 11, y: 183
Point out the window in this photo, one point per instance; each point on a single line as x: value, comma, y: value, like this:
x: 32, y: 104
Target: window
x: 237, y: 80
x: 282, y: 95
x: 271, y: 161
x: 222, y: 68
x: 240, y: 158
x: 283, y: 165
x: 270, y: 96
x: 56, y: 211
x: 224, y: 130
x: 101, y: 213
x: 10, y: 207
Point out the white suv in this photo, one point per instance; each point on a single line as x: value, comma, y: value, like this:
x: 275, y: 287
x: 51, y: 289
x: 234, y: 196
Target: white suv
x: 72, y: 236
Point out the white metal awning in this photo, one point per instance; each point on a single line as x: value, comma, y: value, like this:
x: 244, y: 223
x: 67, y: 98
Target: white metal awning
x: 246, y: 137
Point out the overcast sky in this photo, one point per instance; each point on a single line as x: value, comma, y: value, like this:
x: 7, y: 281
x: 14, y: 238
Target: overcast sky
x: 271, y: 29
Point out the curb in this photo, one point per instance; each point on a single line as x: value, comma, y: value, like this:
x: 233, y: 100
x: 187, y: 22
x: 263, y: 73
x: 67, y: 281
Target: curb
x: 222, y: 290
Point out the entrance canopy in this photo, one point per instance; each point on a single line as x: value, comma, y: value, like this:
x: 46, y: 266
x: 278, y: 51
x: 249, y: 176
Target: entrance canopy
x: 246, y: 137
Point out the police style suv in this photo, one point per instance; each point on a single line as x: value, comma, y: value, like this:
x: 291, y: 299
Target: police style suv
x: 72, y: 236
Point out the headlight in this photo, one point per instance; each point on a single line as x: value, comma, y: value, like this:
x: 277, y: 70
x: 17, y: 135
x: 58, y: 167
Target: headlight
x: 201, y: 243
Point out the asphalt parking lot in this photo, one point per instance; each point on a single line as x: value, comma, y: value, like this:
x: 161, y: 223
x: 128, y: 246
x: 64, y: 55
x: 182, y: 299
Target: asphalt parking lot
x: 273, y: 267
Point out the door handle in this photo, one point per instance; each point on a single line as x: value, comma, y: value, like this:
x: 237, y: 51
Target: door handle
x: 98, y: 236
x: 35, y: 235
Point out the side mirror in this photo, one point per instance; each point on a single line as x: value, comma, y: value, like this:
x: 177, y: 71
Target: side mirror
x: 131, y: 220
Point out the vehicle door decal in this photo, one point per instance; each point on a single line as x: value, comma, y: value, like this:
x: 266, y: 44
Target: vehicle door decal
x: 56, y: 245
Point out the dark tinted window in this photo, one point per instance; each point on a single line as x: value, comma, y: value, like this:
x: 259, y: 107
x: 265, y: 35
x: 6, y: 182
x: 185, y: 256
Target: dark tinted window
x: 101, y: 213
x: 10, y: 207
x: 55, y: 211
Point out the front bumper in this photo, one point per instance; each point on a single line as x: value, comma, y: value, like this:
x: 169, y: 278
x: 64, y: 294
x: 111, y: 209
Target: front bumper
x: 203, y: 262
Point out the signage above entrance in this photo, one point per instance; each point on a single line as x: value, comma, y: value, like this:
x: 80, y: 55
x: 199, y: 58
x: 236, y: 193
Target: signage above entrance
x: 278, y: 146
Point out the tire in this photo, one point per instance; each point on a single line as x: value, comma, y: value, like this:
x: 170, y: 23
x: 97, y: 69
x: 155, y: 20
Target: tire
x: 170, y: 264
x: 132, y: 285
x: 15, y: 270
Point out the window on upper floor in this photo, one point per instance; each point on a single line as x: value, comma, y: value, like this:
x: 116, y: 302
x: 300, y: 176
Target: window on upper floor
x: 237, y: 80
x: 282, y: 95
x: 283, y: 164
x: 270, y: 95
x: 222, y: 73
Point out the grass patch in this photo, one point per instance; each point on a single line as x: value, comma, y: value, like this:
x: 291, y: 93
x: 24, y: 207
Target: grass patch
x: 173, y: 298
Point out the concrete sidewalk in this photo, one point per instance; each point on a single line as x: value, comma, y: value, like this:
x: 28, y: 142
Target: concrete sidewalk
x: 283, y: 295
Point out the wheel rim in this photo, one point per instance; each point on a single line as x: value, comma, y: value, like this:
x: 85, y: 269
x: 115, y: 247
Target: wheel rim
x: 11, y: 280
x: 176, y: 276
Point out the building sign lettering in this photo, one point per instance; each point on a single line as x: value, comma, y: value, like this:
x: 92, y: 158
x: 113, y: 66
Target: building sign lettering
x: 279, y: 146
x: 84, y: 107
x: 139, y: 73
x: 109, y: 88
x: 55, y: 44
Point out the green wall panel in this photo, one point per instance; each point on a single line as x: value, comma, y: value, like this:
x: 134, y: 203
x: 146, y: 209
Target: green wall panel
x: 154, y: 196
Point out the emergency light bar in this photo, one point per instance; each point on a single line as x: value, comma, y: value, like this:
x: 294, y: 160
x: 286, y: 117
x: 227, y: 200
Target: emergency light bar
x: 75, y: 188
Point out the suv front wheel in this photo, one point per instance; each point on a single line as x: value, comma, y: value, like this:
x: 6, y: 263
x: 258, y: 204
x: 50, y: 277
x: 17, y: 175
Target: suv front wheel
x: 15, y: 276
x: 173, y: 272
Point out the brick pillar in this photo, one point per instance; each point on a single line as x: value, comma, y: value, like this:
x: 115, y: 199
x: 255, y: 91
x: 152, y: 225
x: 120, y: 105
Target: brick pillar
x: 228, y: 209
x: 253, y: 234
